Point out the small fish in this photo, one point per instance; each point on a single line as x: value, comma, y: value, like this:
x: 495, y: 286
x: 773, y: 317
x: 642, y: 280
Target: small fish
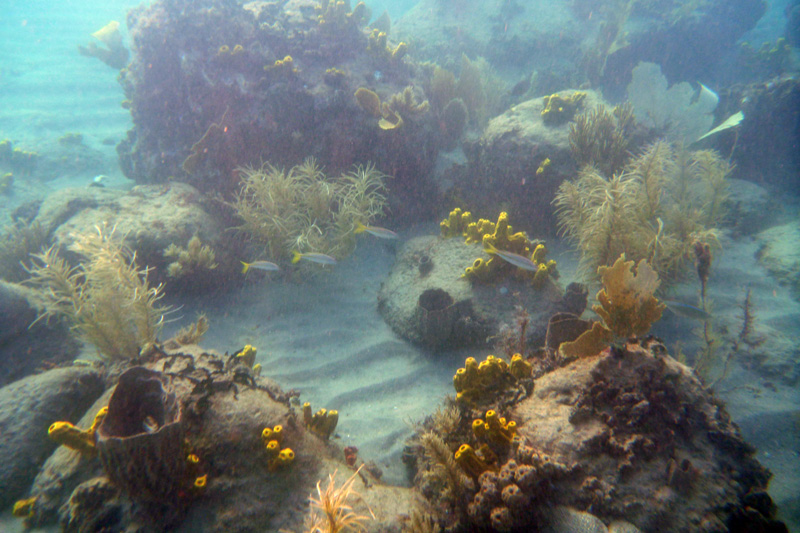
x: 99, y: 181
x: 150, y: 425
x: 510, y: 257
x: 381, y: 233
x: 267, y: 266
x: 686, y: 310
x: 314, y: 257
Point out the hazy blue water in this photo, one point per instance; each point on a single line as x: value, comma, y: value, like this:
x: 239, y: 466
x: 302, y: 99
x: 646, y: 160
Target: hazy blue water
x: 48, y: 89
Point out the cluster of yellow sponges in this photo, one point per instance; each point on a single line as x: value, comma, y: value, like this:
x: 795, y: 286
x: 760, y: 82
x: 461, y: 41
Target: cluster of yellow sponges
x: 285, y: 66
x: 379, y: 47
x: 82, y: 441
x: 225, y: 50
x: 490, y: 376
x: 278, y: 457
x: 335, y: 15
x: 247, y: 357
x: 474, y: 462
x: 322, y: 423
x: 560, y: 109
x: 495, y: 429
x: 498, y: 235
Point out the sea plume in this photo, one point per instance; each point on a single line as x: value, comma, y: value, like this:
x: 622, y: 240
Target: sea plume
x: 106, y: 299
x: 330, y: 511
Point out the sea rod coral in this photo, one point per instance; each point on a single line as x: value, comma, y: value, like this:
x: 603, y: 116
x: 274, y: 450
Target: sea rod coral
x: 303, y: 210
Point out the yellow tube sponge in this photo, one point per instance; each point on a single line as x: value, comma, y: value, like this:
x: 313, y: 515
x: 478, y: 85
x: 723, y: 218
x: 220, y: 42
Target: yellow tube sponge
x: 82, y: 441
x: 66, y: 434
x: 284, y: 458
x: 270, y: 434
x: 272, y: 448
x: 498, y: 430
x: 480, y: 380
x: 247, y: 356
x: 519, y: 367
x: 322, y: 423
x: 470, y: 462
x: 285, y: 65
x: 24, y: 508
x: 456, y: 223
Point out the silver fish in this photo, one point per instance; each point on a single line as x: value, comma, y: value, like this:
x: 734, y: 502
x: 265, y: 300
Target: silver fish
x: 686, y: 310
x: 381, y: 233
x: 517, y: 260
x: 267, y: 266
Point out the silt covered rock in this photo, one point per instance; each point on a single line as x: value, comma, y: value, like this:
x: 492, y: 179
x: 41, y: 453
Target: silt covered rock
x: 426, y: 300
x: 27, y: 408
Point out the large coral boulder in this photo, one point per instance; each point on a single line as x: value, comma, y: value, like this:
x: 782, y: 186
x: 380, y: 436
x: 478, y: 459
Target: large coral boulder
x: 426, y: 300
x: 27, y: 408
x: 521, y: 159
x: 646, y: 441
x: 277, y: 84
x: 148, y: 218
x: 229, y: 480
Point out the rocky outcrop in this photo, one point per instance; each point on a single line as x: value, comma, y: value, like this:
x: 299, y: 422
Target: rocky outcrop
x: 277, y: 85
x: 650, y: 442
x: 229, y: 481
x: 27, y: 408
x: 425, y: 300
x: 148, y: 218
x: 504, y: 162
x: 25, y: 346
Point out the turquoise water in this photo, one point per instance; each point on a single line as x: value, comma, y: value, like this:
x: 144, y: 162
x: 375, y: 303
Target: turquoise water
x: 323, y: 334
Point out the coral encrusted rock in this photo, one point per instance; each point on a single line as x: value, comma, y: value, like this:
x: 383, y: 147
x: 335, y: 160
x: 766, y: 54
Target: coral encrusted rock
x: 438, y: 308
x: 653, y: 445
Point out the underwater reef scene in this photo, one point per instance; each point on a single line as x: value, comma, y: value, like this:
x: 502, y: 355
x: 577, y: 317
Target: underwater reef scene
x: 328, y: 266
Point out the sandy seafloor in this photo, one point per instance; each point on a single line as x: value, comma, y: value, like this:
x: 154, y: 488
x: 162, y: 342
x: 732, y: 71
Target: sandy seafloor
x: 324, y: 336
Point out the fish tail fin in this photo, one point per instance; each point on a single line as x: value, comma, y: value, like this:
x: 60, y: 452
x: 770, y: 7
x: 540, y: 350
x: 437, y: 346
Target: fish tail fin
x: 489, y: 248
x: 296, y: 256
x: 245, y: 267
x: 360, y: 228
